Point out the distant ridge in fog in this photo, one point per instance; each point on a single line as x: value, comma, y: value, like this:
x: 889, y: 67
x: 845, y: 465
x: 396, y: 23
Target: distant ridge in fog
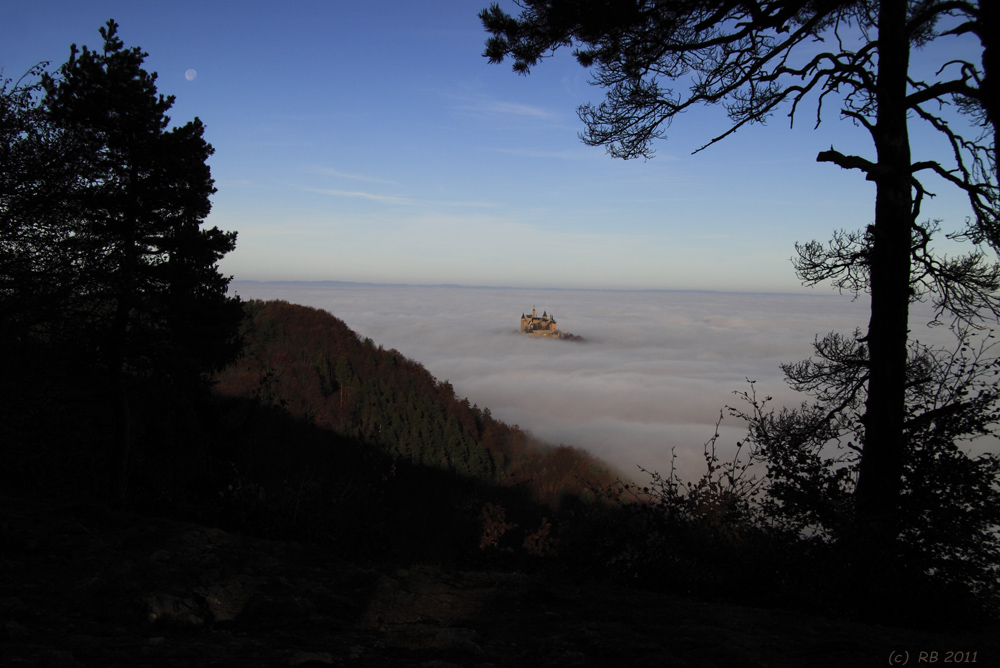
x: 237, y: 283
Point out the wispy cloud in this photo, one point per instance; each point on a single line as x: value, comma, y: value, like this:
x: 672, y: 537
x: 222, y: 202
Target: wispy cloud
x: 237, y: 183
x: 459, y: 203
x: 513, y: 108
x: 488, y: 107
x: 535, y: 153
x: 396, y: 199
x: 391, y: 199
x: 326, y: 171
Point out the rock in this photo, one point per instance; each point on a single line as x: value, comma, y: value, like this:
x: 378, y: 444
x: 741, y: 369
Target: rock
x: 209, y: 561
x: 14, y: 540
x: 55, y: 658
x: 194, y: 537
x: 311, y: 659
x: 14, y: 630
x: 96, y: 545
x: 11, y: 606
x: 465, y: 640
x: 160, y: 556
x: 216, y: 534
x: 326, y: 601
x: 284, y: 608
x: 93, y: 586
x: 386, y: 587
x: 174, y: 611
x: 74, y: 528
x: 224, y: 603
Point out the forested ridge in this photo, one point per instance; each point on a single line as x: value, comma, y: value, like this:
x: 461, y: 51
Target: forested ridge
x: 400, y: 428
x: 312, y: 364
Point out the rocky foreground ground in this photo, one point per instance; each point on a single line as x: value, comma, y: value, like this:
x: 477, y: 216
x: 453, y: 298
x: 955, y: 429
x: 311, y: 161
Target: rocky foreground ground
x: 81, y: 586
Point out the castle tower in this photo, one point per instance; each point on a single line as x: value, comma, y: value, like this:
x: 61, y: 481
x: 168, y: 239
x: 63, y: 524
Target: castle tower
x: 539, y: 326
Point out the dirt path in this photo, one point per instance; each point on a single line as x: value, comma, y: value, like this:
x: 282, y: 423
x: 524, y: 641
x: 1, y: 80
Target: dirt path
x: 83, y: 586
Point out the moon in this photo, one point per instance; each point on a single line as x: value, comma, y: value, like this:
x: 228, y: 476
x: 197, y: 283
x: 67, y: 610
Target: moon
x: 190, y: 75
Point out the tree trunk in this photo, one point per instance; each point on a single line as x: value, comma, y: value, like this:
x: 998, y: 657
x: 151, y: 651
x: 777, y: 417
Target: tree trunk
x: 121, y: 445
x: 881, y: 469
x: 120, y: 437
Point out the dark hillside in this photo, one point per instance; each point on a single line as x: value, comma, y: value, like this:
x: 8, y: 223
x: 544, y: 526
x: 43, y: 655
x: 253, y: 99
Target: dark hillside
x: 312, y: 364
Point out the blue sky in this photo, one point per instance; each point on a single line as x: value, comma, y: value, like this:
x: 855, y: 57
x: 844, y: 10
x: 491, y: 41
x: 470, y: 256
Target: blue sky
x: 372, y: 142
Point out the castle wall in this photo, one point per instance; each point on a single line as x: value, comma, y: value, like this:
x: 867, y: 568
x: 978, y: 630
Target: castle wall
x: 544, y: 326
x: 538, y: 325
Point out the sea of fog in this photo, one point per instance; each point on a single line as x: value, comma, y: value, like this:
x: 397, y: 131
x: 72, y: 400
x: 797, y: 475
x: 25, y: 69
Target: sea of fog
x: 652, y: 376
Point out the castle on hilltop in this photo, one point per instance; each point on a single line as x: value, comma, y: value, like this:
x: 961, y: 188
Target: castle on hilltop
x: 539, y: 326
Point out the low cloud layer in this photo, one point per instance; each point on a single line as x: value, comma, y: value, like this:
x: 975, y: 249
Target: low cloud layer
x: 652, y: 376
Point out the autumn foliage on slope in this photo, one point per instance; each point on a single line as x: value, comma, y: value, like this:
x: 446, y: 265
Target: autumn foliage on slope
x: 313, y: 365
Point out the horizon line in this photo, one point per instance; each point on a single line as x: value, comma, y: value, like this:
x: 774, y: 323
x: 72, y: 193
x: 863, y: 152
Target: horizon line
x: 458, y: 286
